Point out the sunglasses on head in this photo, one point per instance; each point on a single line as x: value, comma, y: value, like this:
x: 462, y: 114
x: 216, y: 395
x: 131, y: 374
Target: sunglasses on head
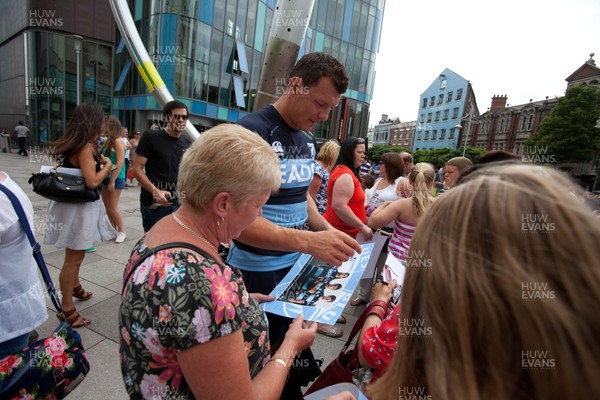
x: 179, y: 116
x: 360, y: 140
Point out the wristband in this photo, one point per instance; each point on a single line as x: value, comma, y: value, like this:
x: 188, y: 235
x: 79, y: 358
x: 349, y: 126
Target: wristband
x: 279, y: 361
x: 377, y: 311
x: 379, y: 303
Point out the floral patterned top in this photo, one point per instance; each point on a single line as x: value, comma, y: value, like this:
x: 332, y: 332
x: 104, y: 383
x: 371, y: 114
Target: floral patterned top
x: 176, y: 299
x: 322, y: 193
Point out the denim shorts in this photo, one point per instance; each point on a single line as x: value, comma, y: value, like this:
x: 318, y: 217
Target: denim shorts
x: 119, y: 183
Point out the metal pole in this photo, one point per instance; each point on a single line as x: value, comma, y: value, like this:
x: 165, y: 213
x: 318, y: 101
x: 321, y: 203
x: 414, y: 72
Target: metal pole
x: 288, y: 29
x: 468, y: 130
x: 78, y: 42
x: 142, y: 60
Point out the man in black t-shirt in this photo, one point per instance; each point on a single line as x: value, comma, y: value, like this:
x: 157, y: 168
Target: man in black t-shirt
x: 156, y: 164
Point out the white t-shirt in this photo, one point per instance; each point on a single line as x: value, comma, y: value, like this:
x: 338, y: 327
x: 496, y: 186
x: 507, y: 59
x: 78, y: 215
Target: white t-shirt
x: 375, y: 197
x: 22, y: 295
x: 22, y: 131
x: 126, y: 143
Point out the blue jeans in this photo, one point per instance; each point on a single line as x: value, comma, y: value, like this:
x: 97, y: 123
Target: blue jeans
x: 152, y: 216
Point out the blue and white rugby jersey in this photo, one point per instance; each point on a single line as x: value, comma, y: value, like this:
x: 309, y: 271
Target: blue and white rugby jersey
x: 297, y: 151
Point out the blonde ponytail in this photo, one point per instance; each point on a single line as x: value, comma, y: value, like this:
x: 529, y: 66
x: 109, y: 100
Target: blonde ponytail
x: 421, y: 178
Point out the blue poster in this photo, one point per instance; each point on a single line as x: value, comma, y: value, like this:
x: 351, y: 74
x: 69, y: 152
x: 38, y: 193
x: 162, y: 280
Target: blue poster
x: 318, y: 290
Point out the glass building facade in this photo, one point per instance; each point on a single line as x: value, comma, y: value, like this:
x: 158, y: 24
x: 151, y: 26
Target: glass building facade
x: 51, y: 80
x: 209, y: 54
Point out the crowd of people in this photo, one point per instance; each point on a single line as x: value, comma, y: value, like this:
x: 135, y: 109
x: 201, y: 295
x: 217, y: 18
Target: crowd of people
x: 470, y: 261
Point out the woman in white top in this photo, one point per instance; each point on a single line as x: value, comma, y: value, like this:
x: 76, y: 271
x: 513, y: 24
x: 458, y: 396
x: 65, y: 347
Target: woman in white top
x: 22, y: 296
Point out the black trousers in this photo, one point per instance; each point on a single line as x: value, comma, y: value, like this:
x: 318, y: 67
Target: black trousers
x: 22, y: 145
x: 304, y: 368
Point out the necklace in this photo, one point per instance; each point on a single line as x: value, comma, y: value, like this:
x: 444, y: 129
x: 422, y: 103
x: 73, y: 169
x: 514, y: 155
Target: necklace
x: 193, y: 232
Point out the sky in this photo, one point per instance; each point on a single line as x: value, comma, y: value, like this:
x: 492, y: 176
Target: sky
x: 524, y: 49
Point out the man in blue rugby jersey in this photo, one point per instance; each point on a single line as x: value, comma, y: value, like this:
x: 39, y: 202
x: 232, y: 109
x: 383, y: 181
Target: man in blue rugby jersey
x: 290, y: 224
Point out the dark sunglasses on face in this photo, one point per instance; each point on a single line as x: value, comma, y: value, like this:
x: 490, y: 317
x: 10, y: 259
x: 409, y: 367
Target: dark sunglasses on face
x: 175, y: 117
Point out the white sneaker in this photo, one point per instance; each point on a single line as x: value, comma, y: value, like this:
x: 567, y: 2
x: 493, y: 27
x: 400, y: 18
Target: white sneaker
x: 120, y: 237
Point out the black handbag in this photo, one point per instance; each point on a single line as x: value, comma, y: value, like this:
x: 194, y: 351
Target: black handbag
x: 51, y: 367
x: 59, y: 186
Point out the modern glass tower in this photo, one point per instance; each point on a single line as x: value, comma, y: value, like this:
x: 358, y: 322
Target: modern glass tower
x: 209, y: 54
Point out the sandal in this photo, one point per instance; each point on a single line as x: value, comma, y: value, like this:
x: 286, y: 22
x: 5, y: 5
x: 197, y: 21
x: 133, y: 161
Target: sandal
x: 341, y: 320
x: 357, y: 302
x: 81, y: 294
x: 74, y: 319
x: 329, y: 330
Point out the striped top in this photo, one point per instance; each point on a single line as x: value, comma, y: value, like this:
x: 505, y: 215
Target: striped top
x: 400, y: 240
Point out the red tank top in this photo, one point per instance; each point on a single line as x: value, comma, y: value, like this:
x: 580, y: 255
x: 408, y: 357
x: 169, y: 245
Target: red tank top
x: 356, y: 203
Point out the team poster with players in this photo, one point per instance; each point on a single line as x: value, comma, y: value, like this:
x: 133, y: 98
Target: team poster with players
x: 318, y: 290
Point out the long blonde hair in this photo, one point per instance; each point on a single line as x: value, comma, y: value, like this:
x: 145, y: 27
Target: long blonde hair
x: 421, y: 178
x: 511, y: 298
x: 113, y: 130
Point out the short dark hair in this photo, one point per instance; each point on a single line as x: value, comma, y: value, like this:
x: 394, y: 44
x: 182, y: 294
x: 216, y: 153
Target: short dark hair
x: 314, y: 66
x: 172, y: 105
x: 346, y: 156
x: 394, y: 165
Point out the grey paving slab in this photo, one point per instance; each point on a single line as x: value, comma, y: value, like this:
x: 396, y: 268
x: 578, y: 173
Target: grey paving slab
x: 102, y: 272
x: 104, y: 380
x: 104, y: 317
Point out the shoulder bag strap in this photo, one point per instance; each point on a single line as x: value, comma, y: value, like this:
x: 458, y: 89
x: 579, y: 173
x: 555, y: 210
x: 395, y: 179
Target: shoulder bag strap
x: 170, y: 245
x: 37, y: 254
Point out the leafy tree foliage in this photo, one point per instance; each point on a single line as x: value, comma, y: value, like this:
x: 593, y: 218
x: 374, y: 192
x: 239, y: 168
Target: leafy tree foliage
x: 569, y: 134
x: 437, y: 157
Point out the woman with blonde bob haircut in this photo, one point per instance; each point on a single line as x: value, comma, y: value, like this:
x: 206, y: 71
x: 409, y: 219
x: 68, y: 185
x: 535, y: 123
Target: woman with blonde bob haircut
x: 510, y: 301
x: 182, y: 308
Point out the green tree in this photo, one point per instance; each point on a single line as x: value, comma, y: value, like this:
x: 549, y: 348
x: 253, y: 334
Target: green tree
x: 437, y: 157
x: 569, y: 134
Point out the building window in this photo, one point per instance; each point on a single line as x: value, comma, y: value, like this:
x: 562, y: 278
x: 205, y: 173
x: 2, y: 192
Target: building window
x: 426, y: 135
x: 420, y: 136
x: 459, y: 94
x: 451, y: 136
x: 449, y: 98
x: 440, y: 99
x: 443, y: 134
x: 530, y: 122
x: 422, y: 119
x: 431, y: 101
x: 455, y: 113
x: 446, y: 113
x: 424, y: 103
x: 437, y: 116
x: 429, y: 117
x: 443, y: 84
x: 434, y: 134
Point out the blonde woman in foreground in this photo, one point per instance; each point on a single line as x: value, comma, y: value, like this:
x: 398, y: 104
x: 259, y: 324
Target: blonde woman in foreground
x: 510, y: 303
